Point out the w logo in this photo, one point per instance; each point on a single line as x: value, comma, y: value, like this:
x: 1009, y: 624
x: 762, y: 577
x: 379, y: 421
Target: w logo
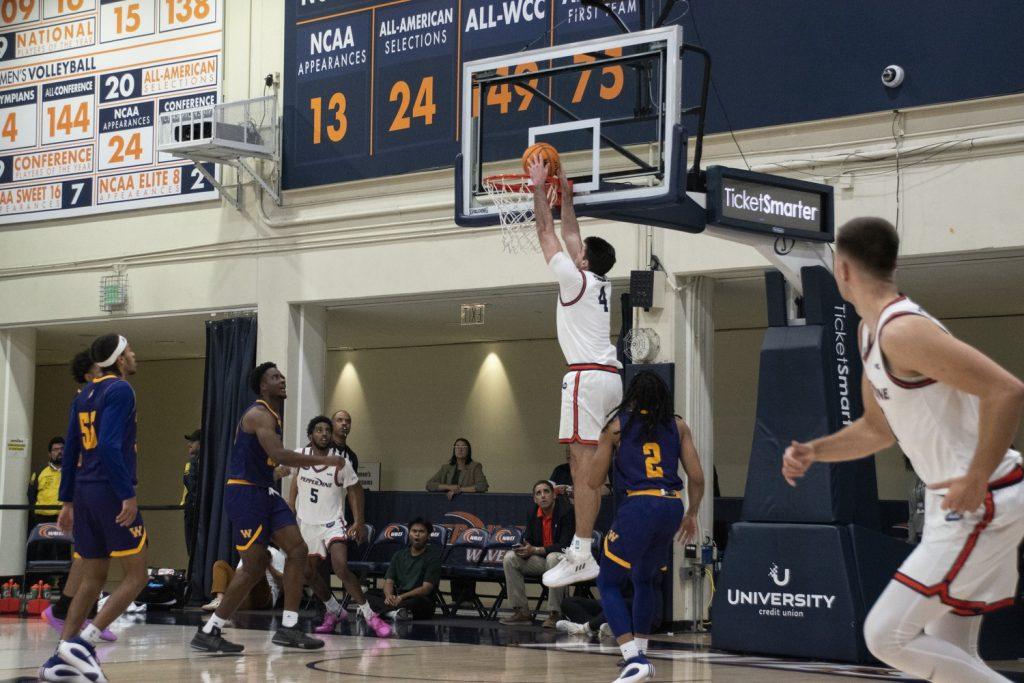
x: 136, y: 531
x: 774, y: 573
x: 246, y: 533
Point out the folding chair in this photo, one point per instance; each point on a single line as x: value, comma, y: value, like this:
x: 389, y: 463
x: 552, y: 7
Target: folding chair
x: 375, y: 561
x: 463, y: 561
x: 440, y: 535
x: 498, y: 544
x: 56, y: 548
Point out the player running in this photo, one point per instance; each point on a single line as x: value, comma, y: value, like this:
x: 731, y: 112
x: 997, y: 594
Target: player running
x: 259, y: 514
x: 592, y: 387
x: 954, y: 412
x: 97, y: 488
x: 317, y: 496
x: 651, y: 443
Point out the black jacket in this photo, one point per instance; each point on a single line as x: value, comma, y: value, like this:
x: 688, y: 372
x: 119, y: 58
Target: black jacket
x: 563, y: 527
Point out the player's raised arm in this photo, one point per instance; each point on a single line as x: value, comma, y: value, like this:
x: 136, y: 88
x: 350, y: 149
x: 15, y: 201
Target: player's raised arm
x: 914, y: 344
x: 549, y: 244
x: 262, y: 425
x: 570, y: 226
x: 602, y: 462
x: 690, y: 460
x: 865, y: 436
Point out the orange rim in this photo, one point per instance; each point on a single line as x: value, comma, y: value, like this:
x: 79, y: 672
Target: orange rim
x: 520, y: 182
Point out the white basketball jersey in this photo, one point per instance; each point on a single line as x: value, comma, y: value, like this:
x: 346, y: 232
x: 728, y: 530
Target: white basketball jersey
x: 936, y: 425
x: 321, y: 491
x: 584, y: 314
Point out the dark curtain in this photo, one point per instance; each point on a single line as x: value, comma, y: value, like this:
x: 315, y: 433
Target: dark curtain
x: 230, y: 357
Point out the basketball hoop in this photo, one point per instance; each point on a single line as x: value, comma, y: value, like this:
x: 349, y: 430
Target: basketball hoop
x: 512, y: 195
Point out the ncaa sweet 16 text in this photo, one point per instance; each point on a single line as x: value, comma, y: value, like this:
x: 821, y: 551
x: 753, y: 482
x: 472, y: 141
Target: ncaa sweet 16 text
x: 85, y: 83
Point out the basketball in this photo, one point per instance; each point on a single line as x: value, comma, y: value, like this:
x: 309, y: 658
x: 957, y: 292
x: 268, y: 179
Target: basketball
x: 549, y: 153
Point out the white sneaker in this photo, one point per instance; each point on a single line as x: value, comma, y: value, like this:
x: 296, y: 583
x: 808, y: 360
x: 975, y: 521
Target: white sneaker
x: 572, y: 628
x: 605, y: 631
x: 635, y: 671
x: 82, y: 656
x: 212, y: 605
x: 572, y: 569
x: 56, y: 669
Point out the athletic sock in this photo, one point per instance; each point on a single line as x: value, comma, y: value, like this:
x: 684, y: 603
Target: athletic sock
x: 641, y: 643
x: 333, y: 606
x: 213, y: 622
x: 630, y: 650
x: 366, y: 610
x: 91, y: 634
x: 289, y: 619
x: 581, y: 546
x: 393, y: 614
x: 60, y: 610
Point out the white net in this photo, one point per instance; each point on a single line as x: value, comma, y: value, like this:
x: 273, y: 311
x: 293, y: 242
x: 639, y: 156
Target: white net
x: 513, y: 197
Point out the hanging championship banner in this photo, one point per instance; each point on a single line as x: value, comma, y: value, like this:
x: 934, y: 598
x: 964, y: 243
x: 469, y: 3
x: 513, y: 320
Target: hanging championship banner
x: 82, y: 84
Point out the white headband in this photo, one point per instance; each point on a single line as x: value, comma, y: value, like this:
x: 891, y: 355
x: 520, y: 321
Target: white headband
x: 122, y: 344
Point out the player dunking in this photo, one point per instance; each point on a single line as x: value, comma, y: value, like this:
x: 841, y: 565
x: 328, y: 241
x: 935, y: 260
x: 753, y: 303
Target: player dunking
x: 592, y: 387
x: 954, y: 412
x: 317, y: 496
x: 651, y: 443
x: 259, y: 514
x: 97, y: 488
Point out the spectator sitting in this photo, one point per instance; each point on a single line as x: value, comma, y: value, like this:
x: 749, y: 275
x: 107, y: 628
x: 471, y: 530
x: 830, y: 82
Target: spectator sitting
x: 43, y: 487
x: 561, y: 479
x: 412, y: 577
x: 585, y: 617
x: 549, y: 529
x: 264, y: 594
x: 461, y: 475
x: 561, y: 476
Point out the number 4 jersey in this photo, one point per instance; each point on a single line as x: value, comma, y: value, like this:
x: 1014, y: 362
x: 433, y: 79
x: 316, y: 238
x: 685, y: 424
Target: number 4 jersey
x: 592, y: 388
x: 321, y: 491
x: 583, y: 318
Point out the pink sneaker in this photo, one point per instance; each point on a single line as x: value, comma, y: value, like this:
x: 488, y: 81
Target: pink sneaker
x: 331, y: 620
x: 379, y: 626
x: 58, y: 625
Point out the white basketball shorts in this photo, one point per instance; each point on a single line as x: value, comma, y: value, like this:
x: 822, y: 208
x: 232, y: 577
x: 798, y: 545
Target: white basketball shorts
x: 588, y: 396
x: 970, y: 562
x: 319, y: 537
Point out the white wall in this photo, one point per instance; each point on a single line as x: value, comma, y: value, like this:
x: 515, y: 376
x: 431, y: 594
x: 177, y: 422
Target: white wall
x: 409, y: 405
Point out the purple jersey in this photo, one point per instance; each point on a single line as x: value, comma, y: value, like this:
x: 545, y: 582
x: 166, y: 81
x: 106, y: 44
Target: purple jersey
x: 647, y: 460
x: 249, y: 463
x: 101, y: 438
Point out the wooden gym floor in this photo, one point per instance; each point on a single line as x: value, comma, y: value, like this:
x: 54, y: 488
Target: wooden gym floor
x: 154, y: 649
